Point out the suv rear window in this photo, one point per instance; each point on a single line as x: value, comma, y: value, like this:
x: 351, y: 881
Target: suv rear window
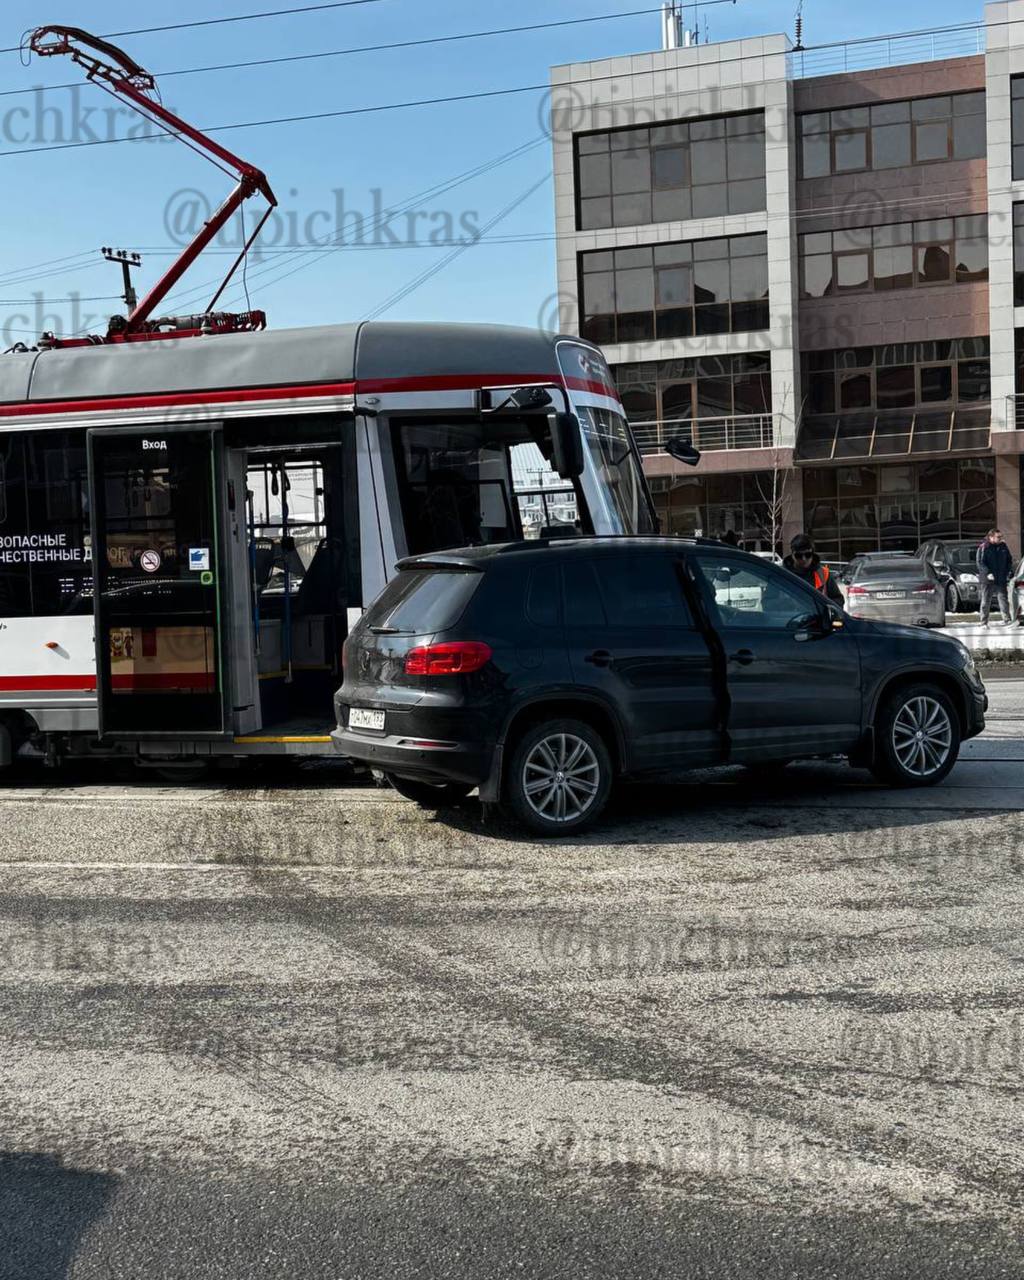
x: 419, y: 601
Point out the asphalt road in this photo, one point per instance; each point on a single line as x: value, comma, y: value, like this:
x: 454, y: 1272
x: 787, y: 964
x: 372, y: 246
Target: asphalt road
x: 305, y: 1030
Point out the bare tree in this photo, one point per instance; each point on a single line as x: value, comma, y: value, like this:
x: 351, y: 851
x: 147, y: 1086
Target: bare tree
x: 775, y: 484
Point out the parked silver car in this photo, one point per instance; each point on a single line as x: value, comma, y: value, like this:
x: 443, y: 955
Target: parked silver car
x: 850, y: 569
x: 897, y: 589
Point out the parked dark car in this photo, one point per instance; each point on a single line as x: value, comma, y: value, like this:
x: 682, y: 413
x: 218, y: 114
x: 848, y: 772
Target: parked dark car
x: 541, y: 672
x: 957, y: 565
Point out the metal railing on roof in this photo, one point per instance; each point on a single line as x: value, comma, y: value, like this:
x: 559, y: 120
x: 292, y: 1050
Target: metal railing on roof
x: 959, y: 41
x: 738, y: 431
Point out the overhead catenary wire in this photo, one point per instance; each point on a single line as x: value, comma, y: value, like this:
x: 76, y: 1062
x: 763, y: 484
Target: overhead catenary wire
x: 315, y: 252
x: 421, y: 279
x: 335, y: 245
x: 50, y: 302
x: 807, y: 213
x: 329, y: 241
x: 374, y: 48
x: 479, y: 95
x: 217, y: 22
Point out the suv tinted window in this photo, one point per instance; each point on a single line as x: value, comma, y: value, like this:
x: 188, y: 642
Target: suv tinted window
x: 750, y: 594
x: 543, y: 605
x: 642, y: 589
x: 583, y: 607
x: 419, y: 601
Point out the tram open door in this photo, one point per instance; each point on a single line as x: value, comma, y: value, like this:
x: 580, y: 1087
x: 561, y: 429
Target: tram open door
x: 303, y: 547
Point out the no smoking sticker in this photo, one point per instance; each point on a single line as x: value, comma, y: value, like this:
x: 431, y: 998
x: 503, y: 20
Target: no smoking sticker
x: 149, y: 561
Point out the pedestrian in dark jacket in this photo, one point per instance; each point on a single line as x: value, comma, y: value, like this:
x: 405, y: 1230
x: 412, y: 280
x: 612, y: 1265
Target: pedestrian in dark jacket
x: 803, y: 560
x: 995, y: 564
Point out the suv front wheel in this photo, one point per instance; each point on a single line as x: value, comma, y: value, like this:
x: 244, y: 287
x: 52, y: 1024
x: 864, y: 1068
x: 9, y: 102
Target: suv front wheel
x: 559, y: 777
x: 917, y: 737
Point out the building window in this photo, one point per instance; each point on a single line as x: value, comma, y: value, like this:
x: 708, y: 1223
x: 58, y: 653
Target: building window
x: 746, y: 504
x: 730, y: 394
x: 1017, y: 125
x: 675, y: 290
x: 687, y: 169
x: 890, y: 135
x: 898, y: 376
x: 1018, y: 255
x: 896, y: 256
x: 886, y: 507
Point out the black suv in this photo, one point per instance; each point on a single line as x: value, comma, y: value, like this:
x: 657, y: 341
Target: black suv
x: 540, y: 672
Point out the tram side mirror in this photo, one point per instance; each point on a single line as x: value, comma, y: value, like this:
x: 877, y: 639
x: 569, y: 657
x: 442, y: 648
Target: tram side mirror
x: 518, y: 399
x: 566, y: 445
x: 682, y: 450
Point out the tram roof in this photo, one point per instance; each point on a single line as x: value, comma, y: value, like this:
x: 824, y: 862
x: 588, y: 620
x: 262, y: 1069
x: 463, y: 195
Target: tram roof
x: 281, y: 357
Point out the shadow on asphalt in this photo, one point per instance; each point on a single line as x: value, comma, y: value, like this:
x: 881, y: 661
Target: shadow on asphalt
x: 459, y: 1226
x: 287, y: 774
x: 731, y: 804
x: 727, y: 803
x: 45, y: 1209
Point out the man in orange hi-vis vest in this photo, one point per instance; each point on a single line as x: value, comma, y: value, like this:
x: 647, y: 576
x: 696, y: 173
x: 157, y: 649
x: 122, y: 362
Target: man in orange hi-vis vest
x: 803, y: 560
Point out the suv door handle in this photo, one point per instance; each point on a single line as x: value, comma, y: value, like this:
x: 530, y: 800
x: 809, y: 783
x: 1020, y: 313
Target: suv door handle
x: 743, y: 656
x: 600, y: 658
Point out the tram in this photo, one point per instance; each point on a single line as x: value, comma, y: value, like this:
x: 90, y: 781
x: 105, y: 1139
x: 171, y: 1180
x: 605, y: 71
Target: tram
x: 193, y: 509
x: 188, y: 528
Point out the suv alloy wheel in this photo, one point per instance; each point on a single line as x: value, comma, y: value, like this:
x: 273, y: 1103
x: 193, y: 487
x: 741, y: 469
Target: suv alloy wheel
x: 917, y: 736
x: 559, y: 777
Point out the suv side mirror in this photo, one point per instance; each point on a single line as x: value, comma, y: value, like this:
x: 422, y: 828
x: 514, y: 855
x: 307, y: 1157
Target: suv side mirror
x: 566, y: 445
x: 810, y: 627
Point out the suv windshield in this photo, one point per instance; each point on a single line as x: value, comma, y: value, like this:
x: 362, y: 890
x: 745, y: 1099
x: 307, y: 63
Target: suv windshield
x: 422, y: 601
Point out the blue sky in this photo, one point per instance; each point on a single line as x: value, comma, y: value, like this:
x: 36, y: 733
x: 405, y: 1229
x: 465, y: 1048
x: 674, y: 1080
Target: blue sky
x: 63, y: 203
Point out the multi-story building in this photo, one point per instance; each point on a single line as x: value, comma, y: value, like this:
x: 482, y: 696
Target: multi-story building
x: 815, y: 274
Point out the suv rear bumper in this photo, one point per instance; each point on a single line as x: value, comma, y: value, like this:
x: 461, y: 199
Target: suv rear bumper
x: 466, y: 762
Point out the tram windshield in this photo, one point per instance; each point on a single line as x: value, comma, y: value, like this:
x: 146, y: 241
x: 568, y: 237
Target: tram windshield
x: 612, y: 478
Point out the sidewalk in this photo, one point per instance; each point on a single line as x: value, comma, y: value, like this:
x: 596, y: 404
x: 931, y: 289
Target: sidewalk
x: 997, y: 639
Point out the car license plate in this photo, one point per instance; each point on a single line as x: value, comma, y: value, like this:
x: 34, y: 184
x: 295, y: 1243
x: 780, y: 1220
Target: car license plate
x: 358, y: 718
x: 891, y: 595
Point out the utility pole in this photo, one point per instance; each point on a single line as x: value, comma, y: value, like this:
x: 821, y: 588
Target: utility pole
x: 127, y: 261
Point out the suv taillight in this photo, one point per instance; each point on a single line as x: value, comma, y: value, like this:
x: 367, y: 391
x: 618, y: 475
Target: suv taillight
x: 454, y: 658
